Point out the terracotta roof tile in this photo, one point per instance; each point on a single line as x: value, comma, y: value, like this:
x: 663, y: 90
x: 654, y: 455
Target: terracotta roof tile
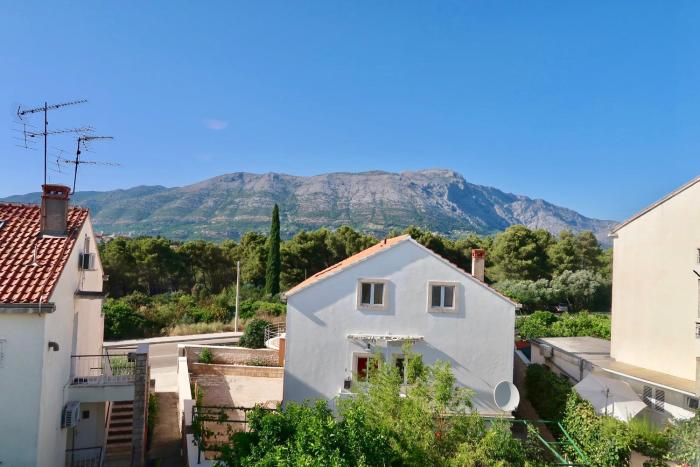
x: 22, y: 279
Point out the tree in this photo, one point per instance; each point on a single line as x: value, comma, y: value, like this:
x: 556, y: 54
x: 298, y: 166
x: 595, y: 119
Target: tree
x: 579, y: 289
x: 565, y: 254
x: 274, y: 262
x: 519, y: 253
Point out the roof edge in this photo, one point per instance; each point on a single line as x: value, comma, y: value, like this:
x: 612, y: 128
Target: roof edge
x: 466, y: 274
x: 654, y: 205
x: 296, y: 289
x: 27, y: 308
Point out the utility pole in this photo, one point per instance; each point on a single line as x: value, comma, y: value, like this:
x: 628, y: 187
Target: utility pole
x: 238, y: 283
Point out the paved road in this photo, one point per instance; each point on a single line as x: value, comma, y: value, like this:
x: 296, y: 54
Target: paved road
x: 162, y: 356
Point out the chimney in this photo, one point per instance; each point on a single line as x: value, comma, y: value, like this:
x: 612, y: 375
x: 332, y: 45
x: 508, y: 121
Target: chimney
x: 478, y: 260
x: 54, y: 210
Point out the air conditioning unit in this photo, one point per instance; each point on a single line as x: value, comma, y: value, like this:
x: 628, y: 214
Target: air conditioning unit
x: 86, y: 261
x: 71, y: 414
x: 547, y: 351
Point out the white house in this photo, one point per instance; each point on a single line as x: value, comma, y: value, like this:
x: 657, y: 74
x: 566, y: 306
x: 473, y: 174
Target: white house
x: 393, y: 292
x: 59, y: 390
x: 655, y: 341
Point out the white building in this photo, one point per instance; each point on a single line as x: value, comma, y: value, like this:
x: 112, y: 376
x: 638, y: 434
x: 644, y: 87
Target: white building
x: 393, y: 292
x: 655, y: 342
x: 56, y: 383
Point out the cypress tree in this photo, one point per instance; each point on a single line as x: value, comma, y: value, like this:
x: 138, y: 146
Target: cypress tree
x: 274, y: 262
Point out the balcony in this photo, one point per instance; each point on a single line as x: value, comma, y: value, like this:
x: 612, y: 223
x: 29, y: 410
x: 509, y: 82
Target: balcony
x: 100, y: 370
x: 103, y: 377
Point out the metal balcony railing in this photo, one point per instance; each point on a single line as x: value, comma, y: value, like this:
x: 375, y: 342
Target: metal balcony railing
x: 96, y: 370
x: 274, y: 330
x: 84, y: 457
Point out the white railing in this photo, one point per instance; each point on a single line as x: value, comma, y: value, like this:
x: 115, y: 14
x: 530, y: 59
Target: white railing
x: 95, y: 370
x: 274, y: 330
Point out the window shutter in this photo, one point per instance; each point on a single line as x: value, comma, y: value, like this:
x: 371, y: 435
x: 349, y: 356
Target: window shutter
x: 659, y: 400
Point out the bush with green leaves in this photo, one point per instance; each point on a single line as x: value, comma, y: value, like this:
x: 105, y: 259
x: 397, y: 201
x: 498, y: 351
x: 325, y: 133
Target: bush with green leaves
x: 605, y: 440
x: 547, y: 324
x: 386, y: 423
x: 547, y: 392
x: 122, y: 321
x: 684, y: 438
x: 206, y: 356
x: 254, y: 335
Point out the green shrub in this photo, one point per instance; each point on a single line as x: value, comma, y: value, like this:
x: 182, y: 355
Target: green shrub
x: 250, y: 308
x: 257, y: 361
x: 604, y: 440
x: 547, y: 392
x: 122, y: 321
x: 254, y: 334
x: 205, y: 356
x: 648, y: 439
x: 547, y: 324
x: 152, y: 414
x: 685, y: 441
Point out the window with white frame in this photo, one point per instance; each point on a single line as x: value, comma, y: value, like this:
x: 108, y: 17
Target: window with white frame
x: 442, y: 295
x: 371, y: 294
x: 692, y: 403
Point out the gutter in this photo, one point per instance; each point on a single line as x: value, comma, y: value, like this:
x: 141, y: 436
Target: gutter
x: 27, y: 308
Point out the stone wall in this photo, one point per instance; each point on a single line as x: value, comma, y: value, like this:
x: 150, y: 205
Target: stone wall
x: 236, y: 370
x: 233, y: 355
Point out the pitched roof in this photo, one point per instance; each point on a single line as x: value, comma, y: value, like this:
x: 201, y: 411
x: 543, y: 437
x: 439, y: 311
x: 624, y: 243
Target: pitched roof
x: 374, y: 249
x: 379, y: 247
x: 656, y: 204
x: 24, y: 278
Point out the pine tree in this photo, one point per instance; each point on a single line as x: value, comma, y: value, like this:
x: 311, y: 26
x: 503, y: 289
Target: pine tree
x: 274, y: 262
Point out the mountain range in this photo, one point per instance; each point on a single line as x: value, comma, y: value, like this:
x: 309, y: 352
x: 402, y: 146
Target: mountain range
x: 374, y: 202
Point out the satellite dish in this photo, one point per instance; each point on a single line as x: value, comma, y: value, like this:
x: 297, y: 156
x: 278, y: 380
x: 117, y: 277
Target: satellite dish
x: 506, y: 396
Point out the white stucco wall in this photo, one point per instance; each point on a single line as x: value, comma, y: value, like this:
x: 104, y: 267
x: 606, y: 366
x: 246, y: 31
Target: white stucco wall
x: 655, y: 292
x: 20, y: 376
x: 34, y: 379
x: 476, y: 339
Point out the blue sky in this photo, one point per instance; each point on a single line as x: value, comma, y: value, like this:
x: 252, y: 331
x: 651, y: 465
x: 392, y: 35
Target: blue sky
x: 591, y: 105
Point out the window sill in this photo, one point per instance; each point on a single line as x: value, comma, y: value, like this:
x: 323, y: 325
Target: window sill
x: 442, y: 310
x: 372, y: 308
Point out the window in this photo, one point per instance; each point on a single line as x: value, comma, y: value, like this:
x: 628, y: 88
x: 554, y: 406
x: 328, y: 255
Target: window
x: 692, y: 403
x: 442, y: 296
x: 86, y: 415
x: 372, y: 294
x: 87, y: 261
x: 363, y: 363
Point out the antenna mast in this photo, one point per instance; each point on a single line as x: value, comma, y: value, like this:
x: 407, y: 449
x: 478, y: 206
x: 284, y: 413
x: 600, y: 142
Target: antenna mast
x: 45, y: 108
x: 82, y: 140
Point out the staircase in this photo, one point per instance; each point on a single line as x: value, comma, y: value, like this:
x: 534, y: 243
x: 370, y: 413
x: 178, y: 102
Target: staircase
x: 118, y: 452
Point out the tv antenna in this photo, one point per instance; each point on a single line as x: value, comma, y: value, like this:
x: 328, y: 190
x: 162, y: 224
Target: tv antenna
x: 82, y: 140
x: 45, y: 108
